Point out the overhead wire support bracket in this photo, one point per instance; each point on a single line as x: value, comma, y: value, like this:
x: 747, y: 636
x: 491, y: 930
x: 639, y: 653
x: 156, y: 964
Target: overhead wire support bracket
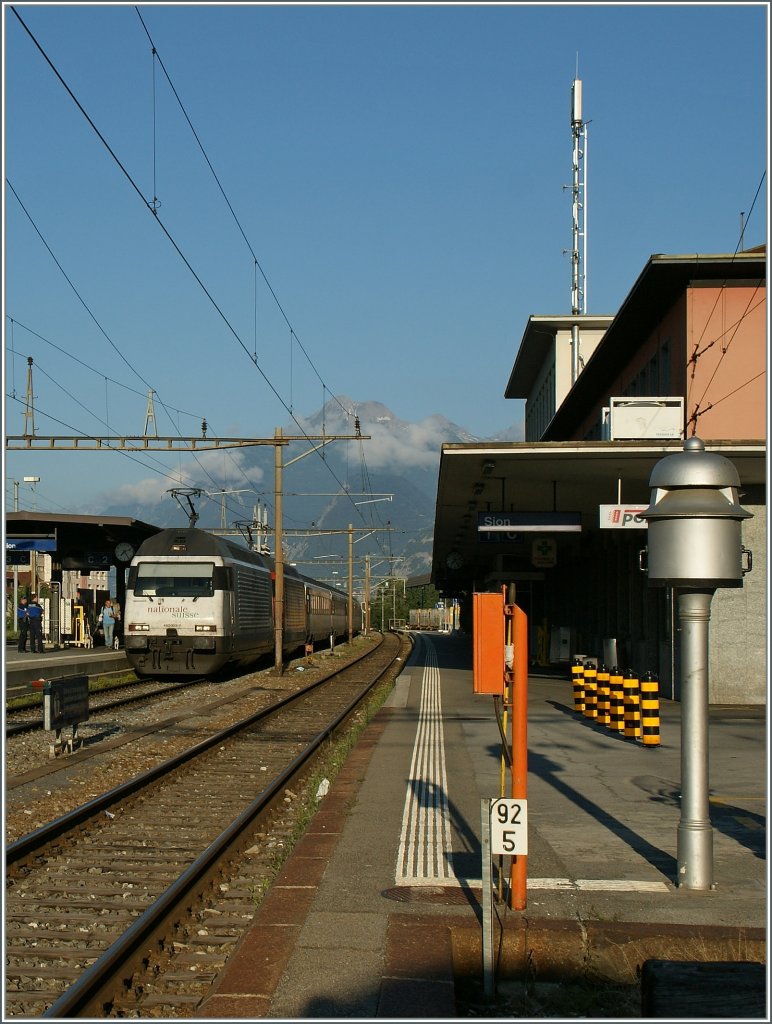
x: 142, y: 442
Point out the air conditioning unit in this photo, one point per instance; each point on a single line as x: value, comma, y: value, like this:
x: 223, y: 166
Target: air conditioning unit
x: 646, y: 419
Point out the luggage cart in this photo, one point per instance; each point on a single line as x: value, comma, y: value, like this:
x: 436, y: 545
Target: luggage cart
x: 81, y: 631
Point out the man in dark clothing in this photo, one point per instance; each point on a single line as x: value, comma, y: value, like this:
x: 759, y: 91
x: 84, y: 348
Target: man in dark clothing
x: 22, y: 615
x: 35, y: 613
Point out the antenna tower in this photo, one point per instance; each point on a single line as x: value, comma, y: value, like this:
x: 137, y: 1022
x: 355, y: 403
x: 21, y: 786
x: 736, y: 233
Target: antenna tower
x: 578, y: 202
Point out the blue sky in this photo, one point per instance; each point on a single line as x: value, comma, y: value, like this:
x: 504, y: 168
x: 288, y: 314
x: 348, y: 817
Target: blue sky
x: 398, y: 173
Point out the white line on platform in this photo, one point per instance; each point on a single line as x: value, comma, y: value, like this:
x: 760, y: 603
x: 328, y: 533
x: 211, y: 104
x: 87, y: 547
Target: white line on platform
x: 425, y: 840
x: 620, y: 885
x: 563, y: 884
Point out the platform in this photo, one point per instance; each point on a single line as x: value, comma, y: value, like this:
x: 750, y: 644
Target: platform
x: 21, y: 668
x: 379, y: 907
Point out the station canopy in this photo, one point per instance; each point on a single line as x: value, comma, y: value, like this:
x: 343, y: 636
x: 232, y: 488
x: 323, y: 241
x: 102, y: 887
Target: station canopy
x: 545, y: 488
x: 83, y: 543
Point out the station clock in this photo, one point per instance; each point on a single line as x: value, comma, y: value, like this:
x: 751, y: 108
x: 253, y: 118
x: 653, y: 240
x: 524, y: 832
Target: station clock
x: 454, y: 560
x: 124, y: 552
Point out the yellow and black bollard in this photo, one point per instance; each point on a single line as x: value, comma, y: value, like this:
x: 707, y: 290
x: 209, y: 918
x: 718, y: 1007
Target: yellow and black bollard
x: 617, y: 722
x: 632, y: 706
x: 604, y: 696
x: 650, y: 710
x: 577, y: 681
x: 590, y: 691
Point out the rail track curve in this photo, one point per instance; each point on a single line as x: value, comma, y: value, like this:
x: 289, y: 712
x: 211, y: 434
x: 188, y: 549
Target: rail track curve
x: 93, y: 896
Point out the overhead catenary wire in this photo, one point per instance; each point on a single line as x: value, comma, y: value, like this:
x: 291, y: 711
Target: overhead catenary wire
x: 293, y: 334
x: 172, y: 241
x: 736, y: 250
x: 87, y: 366
x: 153, y: 207
x: 257, y: 263
x: 147, y: 462
x: 104, y: 333
x: 70, y: 282
x: 84, y: 434
x: 698, y: 352
x: 733, y: 327
x: 41, y: 497
x: 712, y: 405
x: 698, y: 410
x: 13, y: 365
x: 146, y: 203
x: 171, y: 477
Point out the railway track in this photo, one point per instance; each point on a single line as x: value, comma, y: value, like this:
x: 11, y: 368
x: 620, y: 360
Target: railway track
x: 31, y: 719
x: 134, y: 887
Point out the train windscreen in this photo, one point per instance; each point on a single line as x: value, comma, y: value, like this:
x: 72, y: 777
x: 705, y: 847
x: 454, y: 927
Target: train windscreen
x: 178, y: 579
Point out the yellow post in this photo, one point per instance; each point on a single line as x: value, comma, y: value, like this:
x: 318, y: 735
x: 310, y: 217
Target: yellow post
x: 577, y: 681
x: 616, y: 685
x: 650, y: 710
x: 632, y: 707
x: 604, y: 696
x: 590, y: 691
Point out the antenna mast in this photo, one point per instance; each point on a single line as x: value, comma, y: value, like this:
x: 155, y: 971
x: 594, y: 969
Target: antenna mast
x: 578, y: 202
x: 578, y: 221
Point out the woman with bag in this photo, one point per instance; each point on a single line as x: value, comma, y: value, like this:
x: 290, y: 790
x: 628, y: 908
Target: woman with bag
x: 107, y: 619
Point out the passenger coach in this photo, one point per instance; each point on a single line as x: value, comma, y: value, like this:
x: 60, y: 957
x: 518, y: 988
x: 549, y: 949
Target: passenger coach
x: 196, y: 603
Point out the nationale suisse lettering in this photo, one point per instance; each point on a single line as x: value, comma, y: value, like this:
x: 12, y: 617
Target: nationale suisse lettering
x: 175, y: 613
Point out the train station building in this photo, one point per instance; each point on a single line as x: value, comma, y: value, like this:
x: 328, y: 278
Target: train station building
x: 606, y: 398
x: 76, y: 546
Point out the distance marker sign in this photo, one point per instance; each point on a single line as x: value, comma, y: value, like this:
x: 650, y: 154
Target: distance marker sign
x: 509, y: 827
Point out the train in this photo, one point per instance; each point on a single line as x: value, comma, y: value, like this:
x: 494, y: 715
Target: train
x: 439, y: 619
x: 196, y: 604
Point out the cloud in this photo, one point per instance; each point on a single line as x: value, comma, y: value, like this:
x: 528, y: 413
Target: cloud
x: 149, y: 491
x: 406, y: 444
x: 211, y: 471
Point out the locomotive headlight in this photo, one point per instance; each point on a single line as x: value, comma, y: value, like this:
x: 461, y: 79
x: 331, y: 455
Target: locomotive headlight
x: 138, y: 627
x: 206, y: 629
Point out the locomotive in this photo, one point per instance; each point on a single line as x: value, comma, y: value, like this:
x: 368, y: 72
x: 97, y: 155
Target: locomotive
x: 196, y: 603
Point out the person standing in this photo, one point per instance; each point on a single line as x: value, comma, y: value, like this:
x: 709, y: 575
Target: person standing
x: 22, y: 617
x: 108, y: 617
x: 35, y: 613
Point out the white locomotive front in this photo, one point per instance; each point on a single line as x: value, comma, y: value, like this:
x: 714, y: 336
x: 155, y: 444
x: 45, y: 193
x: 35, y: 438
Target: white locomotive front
x: 196, y: 603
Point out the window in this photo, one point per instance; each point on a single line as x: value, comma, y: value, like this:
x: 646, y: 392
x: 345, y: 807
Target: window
x: 174, y: 579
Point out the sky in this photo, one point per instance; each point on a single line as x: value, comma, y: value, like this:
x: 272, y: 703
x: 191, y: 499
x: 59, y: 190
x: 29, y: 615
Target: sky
x: 289, y: 203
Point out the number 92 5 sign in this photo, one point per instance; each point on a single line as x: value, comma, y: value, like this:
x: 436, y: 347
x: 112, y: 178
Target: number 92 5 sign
x: 509, y: 827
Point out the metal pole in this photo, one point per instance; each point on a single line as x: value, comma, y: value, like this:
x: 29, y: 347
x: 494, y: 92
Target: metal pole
x: 15, y: 568
x: 367, y: 595
x: 350, y: 582
x: 518, y: 869
x: 278, y: 556
x: 695, y: 833
x: 489, y: 977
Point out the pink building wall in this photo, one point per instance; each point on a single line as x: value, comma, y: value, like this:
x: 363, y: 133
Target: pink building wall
x: 726, y: 384
x: 710, y: 348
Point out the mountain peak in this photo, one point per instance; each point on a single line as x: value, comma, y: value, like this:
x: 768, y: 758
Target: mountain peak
x: 399, y: 458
